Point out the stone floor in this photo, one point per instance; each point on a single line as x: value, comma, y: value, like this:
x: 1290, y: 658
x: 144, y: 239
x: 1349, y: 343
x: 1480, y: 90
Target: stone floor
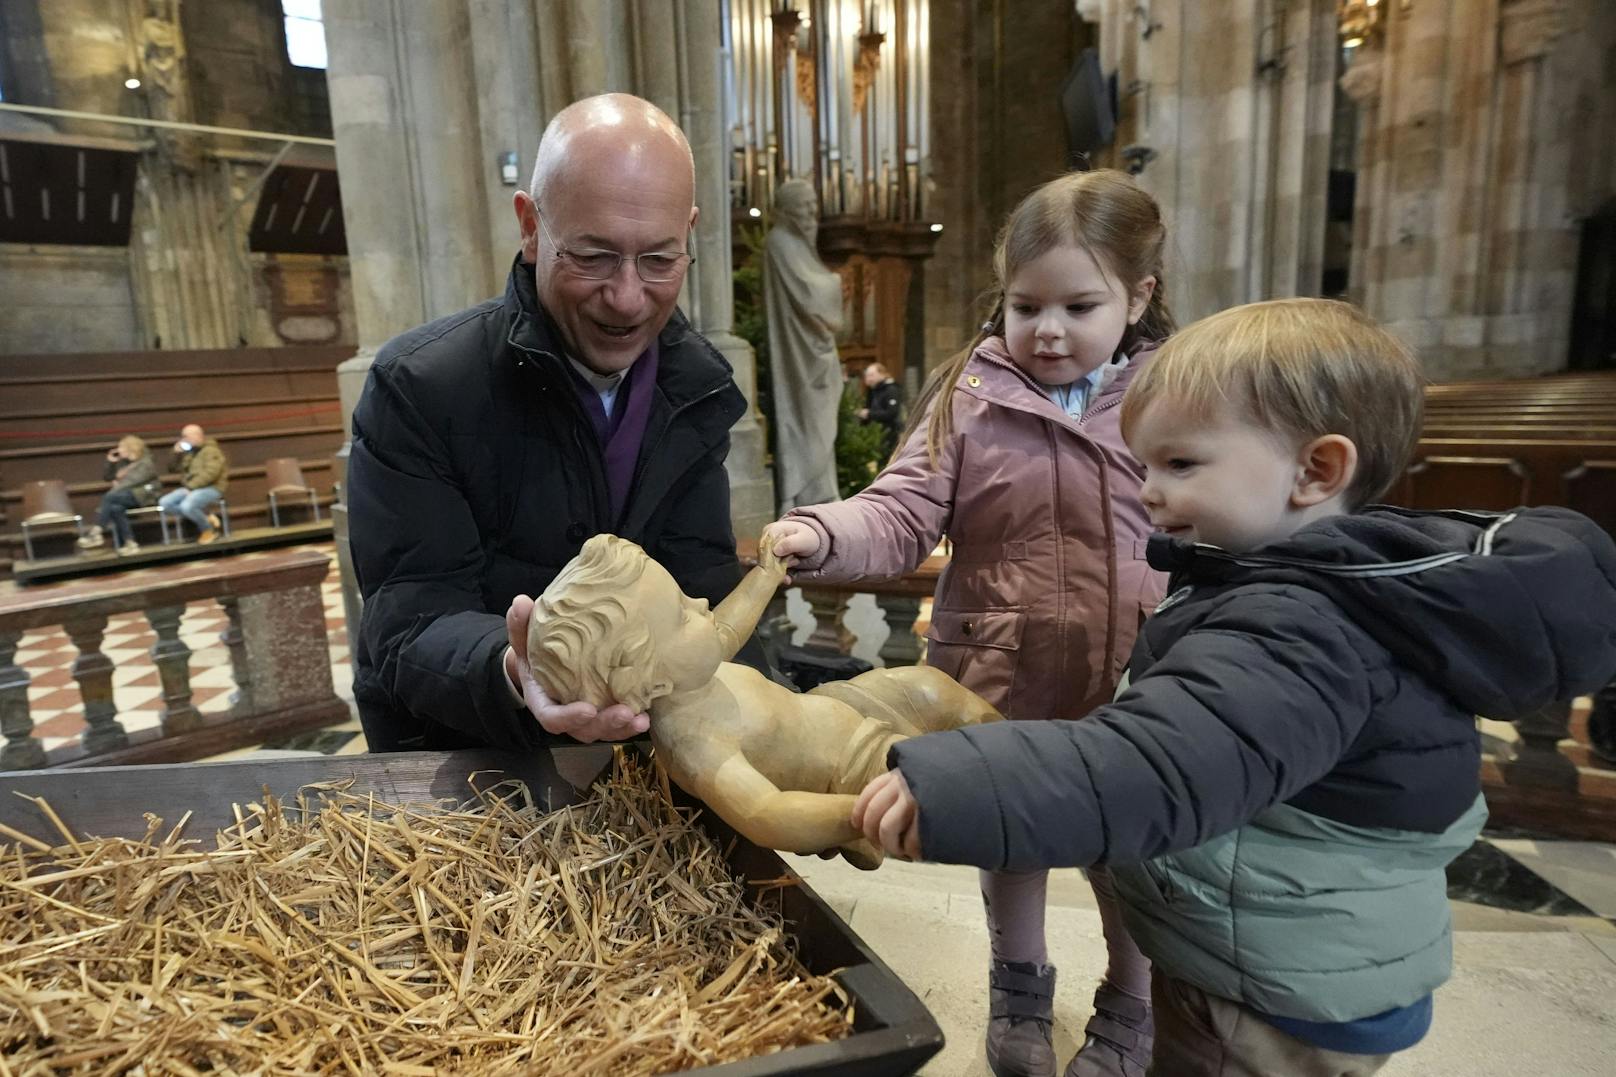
x: 1534, y: 989
x: 1531, y: 993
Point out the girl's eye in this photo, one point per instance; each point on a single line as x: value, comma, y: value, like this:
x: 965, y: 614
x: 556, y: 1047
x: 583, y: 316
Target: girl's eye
x: 1021, y: 309
x: 1178, y: 463
x: 1079, y: 308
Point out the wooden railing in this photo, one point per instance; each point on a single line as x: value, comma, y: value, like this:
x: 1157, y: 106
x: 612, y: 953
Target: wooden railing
x: 276, y: 639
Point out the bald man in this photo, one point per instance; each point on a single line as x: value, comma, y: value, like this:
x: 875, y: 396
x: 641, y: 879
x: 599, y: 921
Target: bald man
x: 489, y: 445
x: 204, y: 472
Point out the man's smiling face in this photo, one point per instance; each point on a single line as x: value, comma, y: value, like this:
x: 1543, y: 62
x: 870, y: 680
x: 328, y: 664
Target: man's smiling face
x: 630, y: 199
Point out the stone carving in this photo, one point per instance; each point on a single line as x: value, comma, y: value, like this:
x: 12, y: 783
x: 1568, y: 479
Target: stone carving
x: 1361, y: 81
x: 782, y: 768
x: 803, y: 303
x: 1527, y: 29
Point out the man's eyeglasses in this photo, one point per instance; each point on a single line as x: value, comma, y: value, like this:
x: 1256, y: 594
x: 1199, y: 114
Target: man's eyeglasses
x: 654, y: 267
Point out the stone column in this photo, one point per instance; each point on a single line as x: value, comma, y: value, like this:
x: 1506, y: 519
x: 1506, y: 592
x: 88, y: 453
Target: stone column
x: 1476, y: 165
x: 410, y: 154
x: 712, y: 287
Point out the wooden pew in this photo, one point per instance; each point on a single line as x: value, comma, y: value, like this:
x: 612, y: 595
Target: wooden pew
x: 60, y: 413
x: 1548, y: 441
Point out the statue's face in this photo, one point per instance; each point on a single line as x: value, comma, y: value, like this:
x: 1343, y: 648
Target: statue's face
x: 682, y: 630
x: 802, y: 214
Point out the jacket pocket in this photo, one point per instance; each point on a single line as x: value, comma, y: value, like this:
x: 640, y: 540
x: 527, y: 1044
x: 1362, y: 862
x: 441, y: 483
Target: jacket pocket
x: 978, y: 648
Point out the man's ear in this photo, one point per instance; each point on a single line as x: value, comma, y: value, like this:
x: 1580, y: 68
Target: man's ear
x: 527, y: 221
x: 1140, y: 299
x: 1325, y: 467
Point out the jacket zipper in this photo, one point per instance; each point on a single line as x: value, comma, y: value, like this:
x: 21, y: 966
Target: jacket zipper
x: 595, y: 457
x: 647, y: 452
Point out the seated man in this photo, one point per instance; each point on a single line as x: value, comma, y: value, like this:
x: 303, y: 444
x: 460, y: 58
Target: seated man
x: 204, y: 472
x: 782, y: 768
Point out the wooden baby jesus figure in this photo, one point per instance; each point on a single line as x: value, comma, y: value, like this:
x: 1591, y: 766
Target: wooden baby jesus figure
x: 782, y: 768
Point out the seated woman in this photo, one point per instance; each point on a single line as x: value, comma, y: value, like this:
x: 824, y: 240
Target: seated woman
x: 782, y: 768
x: 133, y: 474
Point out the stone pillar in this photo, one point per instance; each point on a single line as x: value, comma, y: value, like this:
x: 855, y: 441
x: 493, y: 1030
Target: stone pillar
x: 1476, y: 167
x: 410, y: 153
x: 712, y: 287
x: 1239, y: 134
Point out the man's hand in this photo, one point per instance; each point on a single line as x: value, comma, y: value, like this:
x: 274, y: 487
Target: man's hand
x: 887, y: 814
x: 581, y: 721
x: 864, y: 414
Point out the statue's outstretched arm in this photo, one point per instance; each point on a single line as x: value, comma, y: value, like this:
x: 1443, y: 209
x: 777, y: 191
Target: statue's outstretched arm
x: 789, y: 820
x: 738, y: 614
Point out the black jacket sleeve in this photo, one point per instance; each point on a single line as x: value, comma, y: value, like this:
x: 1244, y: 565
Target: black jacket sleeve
x: 430, y: 648
x: 1245, y: 710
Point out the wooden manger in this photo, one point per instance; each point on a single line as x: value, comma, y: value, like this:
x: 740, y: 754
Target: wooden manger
x: 347, y: 923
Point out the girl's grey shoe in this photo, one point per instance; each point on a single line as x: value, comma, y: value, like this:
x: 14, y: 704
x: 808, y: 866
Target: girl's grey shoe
x: 1117, y: 1040
x: 1021, y: 1016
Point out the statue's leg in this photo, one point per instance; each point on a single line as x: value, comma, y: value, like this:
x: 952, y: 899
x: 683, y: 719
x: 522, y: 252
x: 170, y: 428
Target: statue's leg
x: 912, y: 699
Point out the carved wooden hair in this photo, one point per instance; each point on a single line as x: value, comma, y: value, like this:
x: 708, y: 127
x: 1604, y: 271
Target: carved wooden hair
x: 584, y: 642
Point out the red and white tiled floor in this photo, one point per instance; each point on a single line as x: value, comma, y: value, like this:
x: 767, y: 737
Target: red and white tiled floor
x: 58, y: 712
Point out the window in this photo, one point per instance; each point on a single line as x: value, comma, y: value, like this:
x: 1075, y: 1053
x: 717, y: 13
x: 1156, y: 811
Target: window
x: 305, y: 33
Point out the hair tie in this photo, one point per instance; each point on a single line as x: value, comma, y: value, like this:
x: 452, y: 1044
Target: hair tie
x: 987, y: 327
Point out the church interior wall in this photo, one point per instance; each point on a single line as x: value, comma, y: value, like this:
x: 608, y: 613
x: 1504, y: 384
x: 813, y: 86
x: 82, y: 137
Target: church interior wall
x: 996, y: 75
x: 186, y: 278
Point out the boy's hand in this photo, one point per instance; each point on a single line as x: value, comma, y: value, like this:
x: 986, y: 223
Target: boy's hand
x: 789, y: 540
x: 581, y: 721
x: 888, y: 815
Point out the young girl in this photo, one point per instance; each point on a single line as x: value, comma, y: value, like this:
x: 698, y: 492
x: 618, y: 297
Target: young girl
x: 1022, y: 464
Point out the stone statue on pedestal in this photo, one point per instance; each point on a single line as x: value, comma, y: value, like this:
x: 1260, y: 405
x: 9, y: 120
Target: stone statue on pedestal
x: 803, y: 305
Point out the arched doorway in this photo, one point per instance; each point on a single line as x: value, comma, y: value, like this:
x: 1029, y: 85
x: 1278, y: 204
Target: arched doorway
x: 1593, y: 310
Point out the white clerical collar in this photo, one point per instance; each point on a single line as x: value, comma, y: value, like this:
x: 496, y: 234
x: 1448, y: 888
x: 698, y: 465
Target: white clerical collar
x: 605, y: 385
x: 601, y: 383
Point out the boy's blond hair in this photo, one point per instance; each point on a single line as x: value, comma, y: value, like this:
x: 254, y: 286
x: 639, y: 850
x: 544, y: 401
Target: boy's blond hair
x: 1301, y: 368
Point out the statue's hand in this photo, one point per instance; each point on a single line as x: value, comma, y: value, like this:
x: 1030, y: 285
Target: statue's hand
x: 783, y: 543
x: 769, y: 560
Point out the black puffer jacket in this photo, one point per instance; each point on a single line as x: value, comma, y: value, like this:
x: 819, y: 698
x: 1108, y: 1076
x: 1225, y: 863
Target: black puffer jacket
x: 475, y: 475
x: 1337, y: 672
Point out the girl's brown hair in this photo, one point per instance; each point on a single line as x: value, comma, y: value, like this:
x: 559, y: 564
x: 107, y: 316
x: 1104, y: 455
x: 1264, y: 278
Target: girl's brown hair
x: 1106, y: 214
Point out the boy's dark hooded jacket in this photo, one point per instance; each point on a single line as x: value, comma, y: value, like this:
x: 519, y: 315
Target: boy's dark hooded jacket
x: 1312, y: 704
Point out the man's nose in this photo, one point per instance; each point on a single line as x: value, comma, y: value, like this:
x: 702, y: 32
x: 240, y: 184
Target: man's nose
x: 624, y: 290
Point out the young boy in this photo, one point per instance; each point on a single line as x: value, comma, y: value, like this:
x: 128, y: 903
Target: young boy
x: 1292, y: 759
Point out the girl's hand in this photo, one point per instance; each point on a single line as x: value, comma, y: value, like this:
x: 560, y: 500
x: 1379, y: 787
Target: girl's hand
x: 888, y: 815
x: 789, y: 540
